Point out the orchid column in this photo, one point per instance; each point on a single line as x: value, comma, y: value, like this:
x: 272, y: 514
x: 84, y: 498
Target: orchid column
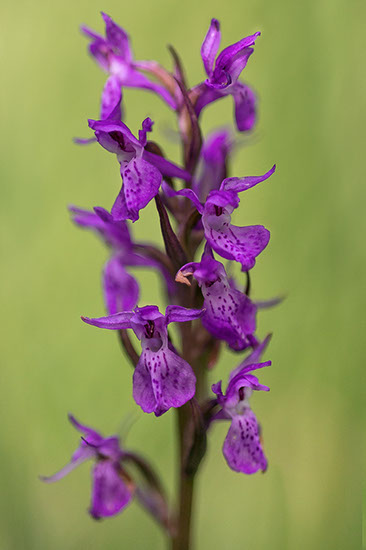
x: 194, y: 202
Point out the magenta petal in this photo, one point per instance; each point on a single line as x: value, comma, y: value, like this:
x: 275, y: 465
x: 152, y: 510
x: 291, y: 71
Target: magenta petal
x: 252, y: 359
x: 121, y: 290
x: 207, y: 95
x: 242, y: 377
x: 242, y: 447
x: 141, y: 182
x: 110, y: 493
x: 210, y: 46
x: 162, y: 380
x: 242, y: 244
x: 231, y: 61
x: 111, y: 99
x: 244, y: 106
x: 230, y: 317
x: 117, y: 38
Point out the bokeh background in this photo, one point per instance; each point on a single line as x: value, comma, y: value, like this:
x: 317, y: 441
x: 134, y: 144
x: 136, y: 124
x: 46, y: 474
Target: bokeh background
x: 307, y: 69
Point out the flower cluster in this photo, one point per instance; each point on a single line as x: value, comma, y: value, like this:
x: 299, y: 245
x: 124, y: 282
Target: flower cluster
x: 194, y: 201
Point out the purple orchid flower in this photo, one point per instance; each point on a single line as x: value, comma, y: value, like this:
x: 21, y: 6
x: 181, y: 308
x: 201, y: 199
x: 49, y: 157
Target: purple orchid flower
x: 242, y: 244
x: 214, y: 154
x: 242, y: 446
x: 114, y: 55
x: 230, y: 315
x: 141, y: 170
x: 223, y: 76
x: 121, y: 290
x: 162, y: 379
x: 112, y: 488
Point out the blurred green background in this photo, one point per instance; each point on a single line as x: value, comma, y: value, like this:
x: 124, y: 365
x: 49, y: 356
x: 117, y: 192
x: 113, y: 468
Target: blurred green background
x: 307, y: 71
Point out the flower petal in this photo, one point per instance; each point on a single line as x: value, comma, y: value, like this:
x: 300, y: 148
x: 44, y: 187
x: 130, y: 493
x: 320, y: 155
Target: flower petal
x: 93, y: 436
x: 242, y: 378
x: 242, y: 244
x: 242, y: 447
x: 231, y: 61
x: 110, y: 492
x: 141, y: 182
x: 230, y: 316
x: 115, y: 233
x: 111, y: 100
x: 244, y: 106
x: 252, y: 358
x: 162, y: 380
x: 117, y: 38
x: 210, y: 46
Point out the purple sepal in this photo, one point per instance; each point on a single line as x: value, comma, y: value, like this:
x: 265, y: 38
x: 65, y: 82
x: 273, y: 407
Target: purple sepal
x: 253, y: 357
x: 179, y: 314
x: 247, y: 182
x: 210, y: 45
x: 116, y: 321
x: 230, y: 62
x: 115, y: 233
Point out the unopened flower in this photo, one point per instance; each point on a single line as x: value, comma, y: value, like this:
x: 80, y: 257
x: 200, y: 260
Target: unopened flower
x: 214, y: 155
x: 242, y: 446
x: 112, y: 487
x: 161, y: 379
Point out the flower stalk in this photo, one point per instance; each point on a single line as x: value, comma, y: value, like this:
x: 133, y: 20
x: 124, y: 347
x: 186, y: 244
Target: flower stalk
x: 194, y: 203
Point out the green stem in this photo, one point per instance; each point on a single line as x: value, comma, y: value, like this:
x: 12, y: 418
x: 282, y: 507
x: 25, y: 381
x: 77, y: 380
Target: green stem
x: 182, y: 537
